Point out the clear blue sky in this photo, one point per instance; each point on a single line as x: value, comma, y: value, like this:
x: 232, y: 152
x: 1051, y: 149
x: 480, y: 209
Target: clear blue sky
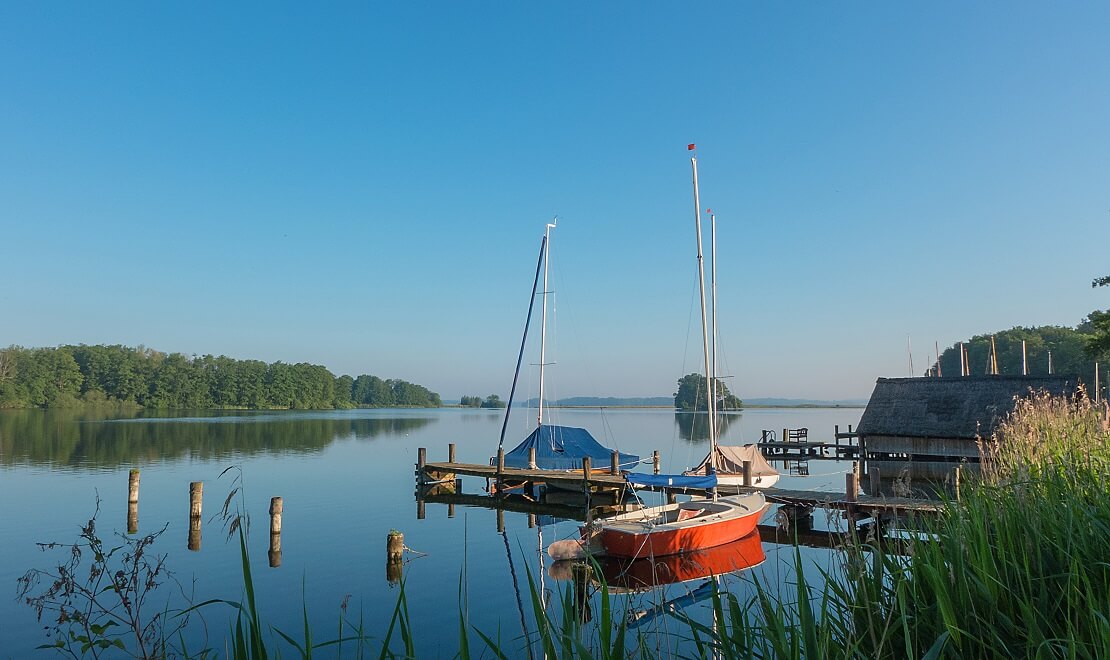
x: 364, y: 185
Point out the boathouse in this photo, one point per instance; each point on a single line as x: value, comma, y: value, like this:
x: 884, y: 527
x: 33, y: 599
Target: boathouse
x: 942, y: 418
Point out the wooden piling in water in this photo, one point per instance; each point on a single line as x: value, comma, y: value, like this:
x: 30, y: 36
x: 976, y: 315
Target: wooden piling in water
x: 451, y: 452
x: 196, y: 500
x: 747, y: 473
x: 500, y: 520
x: 582, y: 574
x: 615, y: 463
x: 133, y: 502
x: 532, y: 457
x: 133, y: 487
x: 655, y: 461
x: 394, y: 556
x: 394, y: 546
x: 276, y: 508
x: 586, y: 473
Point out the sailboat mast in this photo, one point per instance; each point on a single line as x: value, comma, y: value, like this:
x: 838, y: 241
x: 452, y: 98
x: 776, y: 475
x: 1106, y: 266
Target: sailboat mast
x: 713, y: 308
x: 543, y: 314
x: 704, y: 318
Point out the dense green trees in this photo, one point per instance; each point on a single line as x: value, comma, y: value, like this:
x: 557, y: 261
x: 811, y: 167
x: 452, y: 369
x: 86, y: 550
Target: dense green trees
x: 70, y: 376
x: 1066, y: 345
x: 468, y: 401
x: 691, y: 394
x: 1098, y: 327
x: 494, y: 401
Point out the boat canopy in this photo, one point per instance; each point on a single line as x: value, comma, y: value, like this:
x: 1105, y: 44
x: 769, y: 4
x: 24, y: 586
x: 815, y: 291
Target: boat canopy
x: 563, y: 448
x: 672, y: 480
x: 730, y: 460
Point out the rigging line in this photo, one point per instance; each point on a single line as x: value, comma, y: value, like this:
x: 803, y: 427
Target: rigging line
x: 523, y: 341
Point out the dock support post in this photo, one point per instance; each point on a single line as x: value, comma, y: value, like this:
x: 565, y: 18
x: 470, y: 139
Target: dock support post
x: 420, y: 508
x: 586, y: 474
x: 747, y: 473
x: 655, y: 461
x: 851, y: 492
x: 532, y: 458
x: 500, y: 520
x: 874, y: 487
x: 615, y: 463
x: 836, y: 436
x: 450, y: 452
x: 274, y: 554
x: 196, y: 500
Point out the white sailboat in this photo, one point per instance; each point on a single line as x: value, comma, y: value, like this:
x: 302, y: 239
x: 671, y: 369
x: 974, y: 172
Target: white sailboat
x: 687, y: 526
x: 728, y: 460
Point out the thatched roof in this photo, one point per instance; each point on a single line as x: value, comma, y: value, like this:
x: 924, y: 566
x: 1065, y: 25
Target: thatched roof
x: 967, y: 407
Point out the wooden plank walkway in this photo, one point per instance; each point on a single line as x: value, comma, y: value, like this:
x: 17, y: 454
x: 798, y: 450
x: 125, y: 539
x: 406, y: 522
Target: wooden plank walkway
x: 431, y: 473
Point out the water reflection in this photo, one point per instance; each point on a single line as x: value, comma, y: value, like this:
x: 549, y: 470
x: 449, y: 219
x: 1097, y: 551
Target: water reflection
x: 61, y: 438
x: 694, y: 426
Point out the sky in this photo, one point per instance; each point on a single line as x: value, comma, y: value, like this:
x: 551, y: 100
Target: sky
x: 365, y: 185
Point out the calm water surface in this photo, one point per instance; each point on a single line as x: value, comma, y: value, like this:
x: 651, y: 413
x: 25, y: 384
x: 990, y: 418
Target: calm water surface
x: 347, y: 479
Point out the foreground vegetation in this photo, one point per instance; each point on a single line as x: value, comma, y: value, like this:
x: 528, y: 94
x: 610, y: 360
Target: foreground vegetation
x: 73, y: 376
x: 1016, y: 568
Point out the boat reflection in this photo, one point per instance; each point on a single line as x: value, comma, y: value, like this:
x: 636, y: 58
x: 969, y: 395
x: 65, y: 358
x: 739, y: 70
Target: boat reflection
x: 634, y: 575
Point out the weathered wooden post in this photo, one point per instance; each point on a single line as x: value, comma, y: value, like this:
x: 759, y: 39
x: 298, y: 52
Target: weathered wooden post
x: 785, y: 435
x: 276, y: 508
x: 500, y: 520
x: 500, y: 468
x: 615, y: 463
x: 133, y: 487
x: 586, y: 473
x: 836, y: 436
x: 874, y: 486
x: 956, y: 482
x: 532, y: 458
x: 133, y: 502
x: 394, y: 552
x: 420, y: 508
x: 450, y: 452
x: 747, y: 473
x: 655, y: 461
x: 421, y: 461
x: 851, y: 492
x: 196, y: 500
x: 531, y: 521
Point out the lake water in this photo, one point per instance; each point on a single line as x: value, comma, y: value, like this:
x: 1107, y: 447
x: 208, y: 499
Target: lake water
x: 346, y: 479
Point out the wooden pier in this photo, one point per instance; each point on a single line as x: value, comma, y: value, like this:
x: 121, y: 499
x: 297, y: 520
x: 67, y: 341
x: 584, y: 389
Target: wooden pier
x: 588, y: 480
x: 795, y: 445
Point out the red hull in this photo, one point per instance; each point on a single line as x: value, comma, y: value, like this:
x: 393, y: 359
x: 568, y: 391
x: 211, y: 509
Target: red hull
x: 644, y: 573
x: 675, y: 538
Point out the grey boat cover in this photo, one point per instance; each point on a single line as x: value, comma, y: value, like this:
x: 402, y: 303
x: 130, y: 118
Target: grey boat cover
x: 730, y: 461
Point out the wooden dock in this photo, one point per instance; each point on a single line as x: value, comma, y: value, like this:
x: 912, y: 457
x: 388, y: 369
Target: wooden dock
x: 588, y: 480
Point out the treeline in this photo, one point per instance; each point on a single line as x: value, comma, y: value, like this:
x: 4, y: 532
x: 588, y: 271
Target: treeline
x: 1068, y: 348
x: 72, y: 376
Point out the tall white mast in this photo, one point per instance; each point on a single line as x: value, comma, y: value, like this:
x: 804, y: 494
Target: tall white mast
x: 713, y: 307
x: 704, y: 320
x: 543, y: 315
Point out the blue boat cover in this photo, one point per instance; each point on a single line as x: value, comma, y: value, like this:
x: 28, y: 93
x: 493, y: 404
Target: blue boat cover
x: 563, y: 448
x: 672, y: 480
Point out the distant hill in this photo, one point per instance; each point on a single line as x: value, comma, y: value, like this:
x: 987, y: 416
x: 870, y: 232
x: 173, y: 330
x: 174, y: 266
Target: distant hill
x: 668, y: 402
x: 803, y: 403
x: 609, y: 402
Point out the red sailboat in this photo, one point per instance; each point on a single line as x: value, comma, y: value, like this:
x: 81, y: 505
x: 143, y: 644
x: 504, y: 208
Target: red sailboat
x: 688, y: 526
